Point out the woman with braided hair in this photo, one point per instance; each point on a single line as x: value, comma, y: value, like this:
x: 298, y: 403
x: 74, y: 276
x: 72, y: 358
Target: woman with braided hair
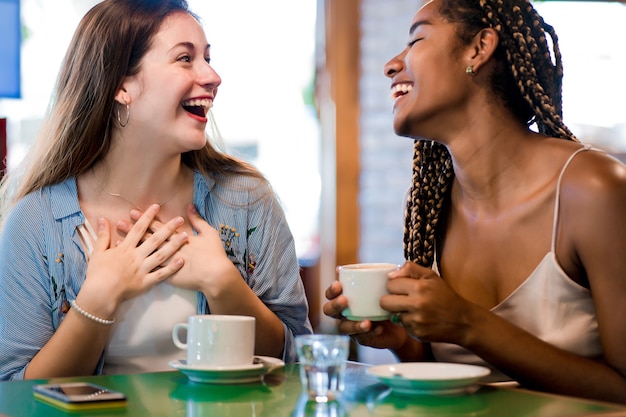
x: 515, y: 231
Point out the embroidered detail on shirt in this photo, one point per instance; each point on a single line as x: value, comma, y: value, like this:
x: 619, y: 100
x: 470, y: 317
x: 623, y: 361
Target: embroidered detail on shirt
x: 59, y: 293
x: 54, y: 288
x: 251, y: 265
x: 250, y: 258
x: 228, y: 235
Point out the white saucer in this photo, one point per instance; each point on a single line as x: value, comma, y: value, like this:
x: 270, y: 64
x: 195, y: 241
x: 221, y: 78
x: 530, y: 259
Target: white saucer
x: 429, y: 378
x: 228, y: 374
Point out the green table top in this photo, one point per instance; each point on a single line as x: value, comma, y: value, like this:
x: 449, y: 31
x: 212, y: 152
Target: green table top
x: 280, y: 394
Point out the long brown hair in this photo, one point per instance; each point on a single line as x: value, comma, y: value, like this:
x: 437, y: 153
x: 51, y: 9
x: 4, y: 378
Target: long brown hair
x: 108, y: 45
x: 525, y: 78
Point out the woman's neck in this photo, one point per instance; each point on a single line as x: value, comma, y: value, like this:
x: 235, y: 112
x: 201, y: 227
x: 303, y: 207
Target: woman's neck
x: 490, y: 175
x: 139, y: 184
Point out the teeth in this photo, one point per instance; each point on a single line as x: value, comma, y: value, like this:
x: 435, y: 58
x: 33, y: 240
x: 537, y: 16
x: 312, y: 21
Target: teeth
x: 400, y: 89
x: 204, y: 102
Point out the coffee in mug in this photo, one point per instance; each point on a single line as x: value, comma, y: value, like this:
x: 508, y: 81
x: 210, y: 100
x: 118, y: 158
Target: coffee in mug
x: 215, y: 341
x: 363, y: 285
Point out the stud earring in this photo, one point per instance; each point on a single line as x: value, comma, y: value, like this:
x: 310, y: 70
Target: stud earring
x: 470, y: 70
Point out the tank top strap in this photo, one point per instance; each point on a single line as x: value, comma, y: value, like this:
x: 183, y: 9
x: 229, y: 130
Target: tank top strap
x: 555, y: 220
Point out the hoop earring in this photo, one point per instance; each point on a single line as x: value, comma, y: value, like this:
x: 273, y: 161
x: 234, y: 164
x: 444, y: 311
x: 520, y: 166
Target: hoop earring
x: 470, y: 70
x: 119, y: 118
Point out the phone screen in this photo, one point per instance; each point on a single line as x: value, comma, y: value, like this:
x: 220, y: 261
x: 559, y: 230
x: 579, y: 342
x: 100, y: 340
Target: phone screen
x: 87, y: 390
x: 78, y: 392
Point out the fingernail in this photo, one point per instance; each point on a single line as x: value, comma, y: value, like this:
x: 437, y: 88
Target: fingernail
x: 180, y: 220
x: 101, y: 223
x: 135, y: 213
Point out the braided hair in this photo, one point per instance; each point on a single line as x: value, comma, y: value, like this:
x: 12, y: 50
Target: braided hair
x: 525, y: 78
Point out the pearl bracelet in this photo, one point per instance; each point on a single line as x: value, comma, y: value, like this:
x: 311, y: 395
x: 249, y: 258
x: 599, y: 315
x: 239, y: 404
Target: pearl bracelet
x: 89, y: 315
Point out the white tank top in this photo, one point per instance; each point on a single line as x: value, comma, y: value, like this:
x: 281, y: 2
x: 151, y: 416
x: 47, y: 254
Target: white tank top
x: 141, y: 337
x: 549, y: 304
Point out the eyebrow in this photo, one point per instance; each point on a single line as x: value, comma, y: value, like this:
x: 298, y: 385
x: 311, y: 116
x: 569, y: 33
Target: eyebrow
x: 190, y: 45
x: 417, y: 24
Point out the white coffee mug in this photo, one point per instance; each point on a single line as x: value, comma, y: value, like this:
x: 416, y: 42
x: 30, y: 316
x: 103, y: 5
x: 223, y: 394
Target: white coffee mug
x: 363, y: 285
x: 216, y: 341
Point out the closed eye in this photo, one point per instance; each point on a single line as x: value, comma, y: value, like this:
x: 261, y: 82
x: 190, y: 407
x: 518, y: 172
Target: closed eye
x: 414, y: 41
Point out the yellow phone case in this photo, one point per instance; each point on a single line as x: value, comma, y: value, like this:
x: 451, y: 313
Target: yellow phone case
x: 93, y: 405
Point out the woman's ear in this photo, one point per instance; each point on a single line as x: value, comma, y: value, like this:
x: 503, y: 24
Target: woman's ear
x: 122, y: 96
x: 482, y: 48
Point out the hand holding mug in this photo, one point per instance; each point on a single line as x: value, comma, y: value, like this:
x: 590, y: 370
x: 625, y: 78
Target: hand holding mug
x: 363, y: 285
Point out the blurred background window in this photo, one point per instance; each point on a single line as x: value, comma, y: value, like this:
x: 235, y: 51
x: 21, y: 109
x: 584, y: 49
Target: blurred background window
x: 591, y: 36
x: 10, y: 33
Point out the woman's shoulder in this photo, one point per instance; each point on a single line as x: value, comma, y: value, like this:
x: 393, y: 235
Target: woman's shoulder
x: 30, y: 204
x: 24, y: 218
x: 52, y: 200
x: 55, y: 198
x: 595, y: 171
x: 594, y: 186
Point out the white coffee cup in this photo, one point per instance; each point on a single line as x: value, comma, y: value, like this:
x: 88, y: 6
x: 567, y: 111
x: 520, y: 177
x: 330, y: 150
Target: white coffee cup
x: 217, y: 341
x: 363, y: 284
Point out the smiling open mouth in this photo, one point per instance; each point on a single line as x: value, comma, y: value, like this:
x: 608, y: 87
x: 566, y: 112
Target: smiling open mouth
x: 198, y: 107
x: 399, y: 90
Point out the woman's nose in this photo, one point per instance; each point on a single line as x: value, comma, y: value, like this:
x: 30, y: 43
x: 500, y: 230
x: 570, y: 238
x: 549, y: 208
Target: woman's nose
x: 208, y: 76
x: 393, y: 66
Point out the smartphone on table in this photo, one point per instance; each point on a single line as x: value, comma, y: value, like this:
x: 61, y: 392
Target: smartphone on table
x: 79, y: 396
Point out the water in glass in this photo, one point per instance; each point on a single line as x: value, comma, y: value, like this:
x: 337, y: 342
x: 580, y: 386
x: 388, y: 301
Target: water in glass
x: 322, y: 365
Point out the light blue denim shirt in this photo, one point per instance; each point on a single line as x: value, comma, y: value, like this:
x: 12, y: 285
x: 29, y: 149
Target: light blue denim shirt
x: 42, y: 263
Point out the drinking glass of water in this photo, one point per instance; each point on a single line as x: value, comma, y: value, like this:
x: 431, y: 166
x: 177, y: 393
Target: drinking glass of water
x: 322, y: 364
